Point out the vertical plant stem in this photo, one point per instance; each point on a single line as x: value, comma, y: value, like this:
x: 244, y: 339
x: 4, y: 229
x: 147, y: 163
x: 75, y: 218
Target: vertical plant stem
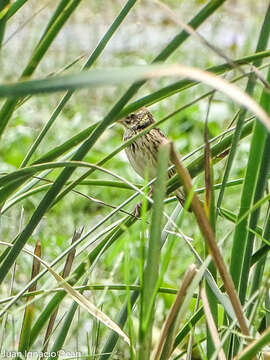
x: 261, y: 45
x: 241, y: 250
x: 151, y: 272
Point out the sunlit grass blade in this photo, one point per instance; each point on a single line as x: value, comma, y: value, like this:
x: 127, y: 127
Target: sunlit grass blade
x: 184, y: 84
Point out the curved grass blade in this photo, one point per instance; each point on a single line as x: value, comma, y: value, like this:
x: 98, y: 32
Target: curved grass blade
x: 73, y: 142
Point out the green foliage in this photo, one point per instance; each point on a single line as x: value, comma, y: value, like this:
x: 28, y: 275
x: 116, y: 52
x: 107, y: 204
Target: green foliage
x: 63, y: 168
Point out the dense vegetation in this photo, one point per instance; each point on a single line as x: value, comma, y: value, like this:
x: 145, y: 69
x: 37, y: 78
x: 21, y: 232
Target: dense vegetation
x: 134, y: 288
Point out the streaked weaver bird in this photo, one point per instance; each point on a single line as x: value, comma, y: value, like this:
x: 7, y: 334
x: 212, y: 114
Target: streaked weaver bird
x: 143, y: 152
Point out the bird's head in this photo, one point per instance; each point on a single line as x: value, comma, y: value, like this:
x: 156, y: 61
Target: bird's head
x: 138, y: 120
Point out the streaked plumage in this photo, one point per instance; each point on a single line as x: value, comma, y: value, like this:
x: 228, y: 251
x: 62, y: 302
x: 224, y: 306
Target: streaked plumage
x: 142, y: 153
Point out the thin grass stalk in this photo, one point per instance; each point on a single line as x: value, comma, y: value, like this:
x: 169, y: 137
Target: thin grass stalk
x: 87, y: 145
x: 93, y: 57
x: 261, y: 46
x: 96, y: 287
x: 211, y: 324
x: 127, y: 280
x: 210, y: 211
x: 10, y: 104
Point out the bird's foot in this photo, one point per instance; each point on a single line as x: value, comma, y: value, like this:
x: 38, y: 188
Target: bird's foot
x: 137, y: 210
x: 138, y: 207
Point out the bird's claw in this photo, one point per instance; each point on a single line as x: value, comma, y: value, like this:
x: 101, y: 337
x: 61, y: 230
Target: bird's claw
x: 137, y: 210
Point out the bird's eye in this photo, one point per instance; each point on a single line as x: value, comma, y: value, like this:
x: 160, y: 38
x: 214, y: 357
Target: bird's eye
x: 130, y: 118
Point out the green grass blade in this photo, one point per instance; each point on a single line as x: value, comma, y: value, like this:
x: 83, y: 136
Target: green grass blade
x: 261, y: 46
x: 151, y: 272
x: 259, y: 191
x: 16, y: 5
x: 60, y: 9
x: 186, y: 84
x: 58, y: 344
x: 251, y: 177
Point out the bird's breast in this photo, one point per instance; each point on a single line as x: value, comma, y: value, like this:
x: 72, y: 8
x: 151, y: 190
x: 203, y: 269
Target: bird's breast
x: 142, y: 155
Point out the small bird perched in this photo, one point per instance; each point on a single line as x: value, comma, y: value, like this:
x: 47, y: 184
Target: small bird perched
x: 142, y: 153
